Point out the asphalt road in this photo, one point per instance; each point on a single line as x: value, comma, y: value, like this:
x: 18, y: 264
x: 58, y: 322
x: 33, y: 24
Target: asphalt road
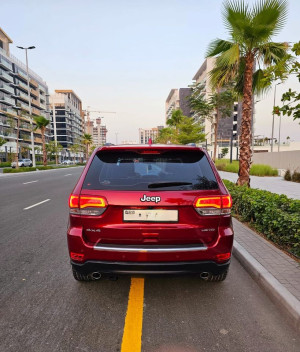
x: 42, y: 308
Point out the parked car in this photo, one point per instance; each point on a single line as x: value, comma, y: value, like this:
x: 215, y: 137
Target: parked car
x: 159, y: 209
x: 67, y: 162
x: 22, y: 162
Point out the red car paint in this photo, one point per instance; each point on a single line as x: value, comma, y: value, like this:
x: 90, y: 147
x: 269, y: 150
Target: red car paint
x: 107, y: 243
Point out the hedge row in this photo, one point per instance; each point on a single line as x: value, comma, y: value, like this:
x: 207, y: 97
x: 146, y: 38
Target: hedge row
x: 274, y: 215
x: 255, y: 170
x: 28, y: 169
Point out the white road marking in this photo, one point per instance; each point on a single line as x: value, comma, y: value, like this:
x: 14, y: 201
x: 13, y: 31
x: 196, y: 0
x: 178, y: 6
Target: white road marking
x: 25, y: 183
x: 34, y: 205
x: 68, y: 175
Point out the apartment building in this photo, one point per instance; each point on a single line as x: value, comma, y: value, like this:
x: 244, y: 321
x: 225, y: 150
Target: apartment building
x: 99, y: 133
x: 14, y: 100
x: 178, y: 99
x: 146, y: 134
x: 225, y: 127
x: 67, y: 123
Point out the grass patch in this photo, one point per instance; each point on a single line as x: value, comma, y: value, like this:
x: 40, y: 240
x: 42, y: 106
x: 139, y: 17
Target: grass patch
x: 256, y: 169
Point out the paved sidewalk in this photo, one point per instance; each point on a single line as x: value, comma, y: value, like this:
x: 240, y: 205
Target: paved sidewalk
x: 278, y: 273
x: 273, y: 184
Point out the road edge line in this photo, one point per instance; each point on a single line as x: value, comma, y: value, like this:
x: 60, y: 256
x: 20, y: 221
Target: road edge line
x: 281, y: 296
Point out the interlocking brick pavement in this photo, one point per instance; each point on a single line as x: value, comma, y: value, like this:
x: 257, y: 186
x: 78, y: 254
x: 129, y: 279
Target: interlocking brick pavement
x: 284, y: 268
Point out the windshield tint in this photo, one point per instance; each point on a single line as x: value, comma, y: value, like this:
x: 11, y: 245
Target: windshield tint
x: 172, y: 170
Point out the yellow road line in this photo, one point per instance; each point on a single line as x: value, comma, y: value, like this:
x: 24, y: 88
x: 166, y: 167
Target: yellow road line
x: 132, y: 335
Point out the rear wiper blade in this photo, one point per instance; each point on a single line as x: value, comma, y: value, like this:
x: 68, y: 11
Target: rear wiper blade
x: 168, y: 184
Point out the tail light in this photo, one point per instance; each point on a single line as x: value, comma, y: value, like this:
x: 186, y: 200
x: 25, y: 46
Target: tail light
x: 87, y: 205
x: 215, y: 205
x: 223, y: 257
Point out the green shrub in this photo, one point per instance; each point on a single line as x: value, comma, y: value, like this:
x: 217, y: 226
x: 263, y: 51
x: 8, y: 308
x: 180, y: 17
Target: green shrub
x: 5, y: 164
x: 263, y: 170
x: 296, y: 177
x: 256, y: 169
x: 274, y: 215
x: 288, y: 176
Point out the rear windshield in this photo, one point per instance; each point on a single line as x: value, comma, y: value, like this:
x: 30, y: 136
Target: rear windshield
x: 172, y: 170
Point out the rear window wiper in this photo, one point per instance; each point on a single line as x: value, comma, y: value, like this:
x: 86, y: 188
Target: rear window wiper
x: 168, y: 184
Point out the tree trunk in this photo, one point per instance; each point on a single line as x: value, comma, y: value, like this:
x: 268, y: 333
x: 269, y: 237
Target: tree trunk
x: 245, y: 138
x: 216, y: 134
x: 44, y: 147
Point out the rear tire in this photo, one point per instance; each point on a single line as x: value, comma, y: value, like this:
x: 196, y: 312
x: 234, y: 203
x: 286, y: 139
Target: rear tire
x: 81, y: 277
x: 217, y: 278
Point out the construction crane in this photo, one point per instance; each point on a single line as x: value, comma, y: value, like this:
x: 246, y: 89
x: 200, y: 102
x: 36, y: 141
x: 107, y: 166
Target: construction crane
x: 88, y: 111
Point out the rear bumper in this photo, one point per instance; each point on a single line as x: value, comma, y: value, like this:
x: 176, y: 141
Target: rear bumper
x: 150, y: 268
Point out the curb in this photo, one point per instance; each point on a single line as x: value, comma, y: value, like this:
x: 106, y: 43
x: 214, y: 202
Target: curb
x: 287, y: 302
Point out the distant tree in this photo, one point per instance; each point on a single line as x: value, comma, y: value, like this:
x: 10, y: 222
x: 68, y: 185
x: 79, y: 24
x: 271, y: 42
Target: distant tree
x: 53, y: 149
x: 2, y: 141
x: 224, y: 151
x: 291, y: 98
x: 218, y: 105
x: 87, y: 140
x: 42, y: 123
x: 75, y: 148
x: 181, y: 130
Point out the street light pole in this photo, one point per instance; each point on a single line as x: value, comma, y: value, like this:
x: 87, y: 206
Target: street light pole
x: 272, y: 137
x: 30, y: 111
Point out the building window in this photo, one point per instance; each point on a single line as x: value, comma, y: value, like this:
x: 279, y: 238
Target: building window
x: 1, y: 44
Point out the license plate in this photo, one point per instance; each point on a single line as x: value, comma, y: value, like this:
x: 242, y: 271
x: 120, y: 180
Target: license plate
x: 159, y: 215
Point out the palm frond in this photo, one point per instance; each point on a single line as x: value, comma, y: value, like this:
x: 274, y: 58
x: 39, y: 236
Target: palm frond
x: 272, y: 53
x: 236, y: 15
x: 269, y: 17
x: 217, y: 47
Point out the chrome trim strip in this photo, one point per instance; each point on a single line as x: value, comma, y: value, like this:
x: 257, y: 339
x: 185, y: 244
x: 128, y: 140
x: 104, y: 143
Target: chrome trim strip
x: 148, y: 249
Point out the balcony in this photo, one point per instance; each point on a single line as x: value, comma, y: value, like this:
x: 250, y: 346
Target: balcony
x: 34, y: 92
x: 22, y: 85
x: 23, y: 96
x: 35, y: 111
x: 6, y: 65
x: 5, y: 109
x: 6, y: 77
x: 6, y: 88
x: 21, y: 74
x: 7, y: 100
x: 33, y: 83
x: 23, y: 106
x: 35, y: 102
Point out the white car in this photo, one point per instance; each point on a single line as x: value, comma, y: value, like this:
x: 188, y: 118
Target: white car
x: 22, y: 162
x: 67, y: 162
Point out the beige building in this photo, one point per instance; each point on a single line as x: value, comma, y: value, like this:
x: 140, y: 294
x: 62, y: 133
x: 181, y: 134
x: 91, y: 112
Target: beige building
x: 146, y: 134
x: 99, y: 133
x: 178, y: 99
x: 202, y: 77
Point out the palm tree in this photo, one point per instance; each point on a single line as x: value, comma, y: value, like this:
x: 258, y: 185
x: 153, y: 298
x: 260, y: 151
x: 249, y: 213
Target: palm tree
x: 244, y: 57
x: 42, y: 123
x: 87, y: 140
x: 175, y: 119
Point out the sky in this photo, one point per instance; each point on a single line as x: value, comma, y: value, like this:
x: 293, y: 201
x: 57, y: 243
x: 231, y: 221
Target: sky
x: 126, y: 55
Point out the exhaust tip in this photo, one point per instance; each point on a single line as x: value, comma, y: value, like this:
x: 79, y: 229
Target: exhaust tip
x: 96, y: 275
x: 205, y: 275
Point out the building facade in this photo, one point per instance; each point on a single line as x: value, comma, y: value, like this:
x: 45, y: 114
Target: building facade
x: 67, y: 124
x: 99, y: 133
x: 178, y: 99
x: 14, y: 102
x: 146, y: 134
x: 226, y: 124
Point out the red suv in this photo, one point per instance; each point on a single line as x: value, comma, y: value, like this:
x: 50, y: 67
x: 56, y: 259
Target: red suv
x: 150, y: 209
